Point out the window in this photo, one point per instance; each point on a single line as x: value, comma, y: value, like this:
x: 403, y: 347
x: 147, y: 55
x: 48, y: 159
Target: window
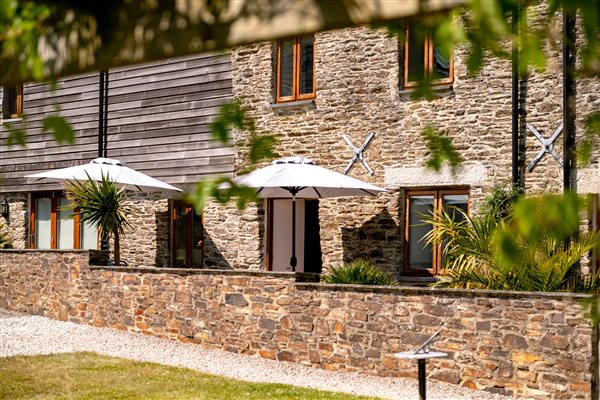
x: 423, y: 258
x: 12, y: 102
x: 53, y: 226
x: 423, y: 60
x: 187, y: 236
x: 296, y: 69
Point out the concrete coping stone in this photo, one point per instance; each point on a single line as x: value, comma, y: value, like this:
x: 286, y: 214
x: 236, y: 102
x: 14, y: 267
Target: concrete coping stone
x: 310, y: 281
x: 437, y: 291
x: 298, y: 276
x: 80, y: 251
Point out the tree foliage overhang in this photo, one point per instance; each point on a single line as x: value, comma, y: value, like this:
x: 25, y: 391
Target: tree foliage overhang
x: 45, y: 39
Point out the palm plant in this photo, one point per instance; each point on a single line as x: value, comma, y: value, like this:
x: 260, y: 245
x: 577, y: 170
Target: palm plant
x: 358, y: 272
x: 102, y: 204
x: 488, y: 252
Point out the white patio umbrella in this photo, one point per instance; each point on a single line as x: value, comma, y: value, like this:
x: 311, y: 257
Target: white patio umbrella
x: 299, y: 177
x: 114, y: 169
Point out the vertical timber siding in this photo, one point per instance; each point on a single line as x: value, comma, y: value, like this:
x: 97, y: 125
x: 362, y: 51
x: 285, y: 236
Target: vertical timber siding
x: 158, y: 122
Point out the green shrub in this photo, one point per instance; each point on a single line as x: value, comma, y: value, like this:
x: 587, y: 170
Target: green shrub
x: 499, y: 204
x: 358, y: 272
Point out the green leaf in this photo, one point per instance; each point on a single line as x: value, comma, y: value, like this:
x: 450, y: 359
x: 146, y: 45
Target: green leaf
x: 63, y: 133
x: 591, y: 135
x: 231, y: 116
x: 441, y: 151
x: 17, y: 136
x: 475, y: 59
x: 261, y: 148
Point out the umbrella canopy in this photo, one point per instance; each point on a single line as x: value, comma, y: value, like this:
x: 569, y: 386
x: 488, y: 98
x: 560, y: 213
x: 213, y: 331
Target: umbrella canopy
x: 294, y: 177
x: 114, y: 169
x: 300, y: 175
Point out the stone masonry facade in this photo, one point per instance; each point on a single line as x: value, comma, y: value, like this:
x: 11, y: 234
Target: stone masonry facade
x: 357, y: 75
x: 529, y: 345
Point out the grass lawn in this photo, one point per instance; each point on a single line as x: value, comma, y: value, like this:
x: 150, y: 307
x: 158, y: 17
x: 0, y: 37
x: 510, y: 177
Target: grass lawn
x: 92, y: 376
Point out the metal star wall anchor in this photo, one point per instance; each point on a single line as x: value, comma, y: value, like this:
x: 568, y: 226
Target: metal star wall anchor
x: 358, y: 154
x: 547, y: 146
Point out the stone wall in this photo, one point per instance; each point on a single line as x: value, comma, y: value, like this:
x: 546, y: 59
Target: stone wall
x: 531, y: 345
x: 16, y: 224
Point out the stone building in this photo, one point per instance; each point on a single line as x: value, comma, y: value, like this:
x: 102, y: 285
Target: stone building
x: 308, y: 92
x: 362, y: 87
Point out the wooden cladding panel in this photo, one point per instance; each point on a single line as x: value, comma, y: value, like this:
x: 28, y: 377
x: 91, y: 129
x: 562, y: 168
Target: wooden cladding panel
x: 76, y: 97
x: 158, y: 122
x: 159, y: 114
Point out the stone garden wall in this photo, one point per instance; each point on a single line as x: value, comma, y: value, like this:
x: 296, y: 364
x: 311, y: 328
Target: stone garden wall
x: 533, y: 345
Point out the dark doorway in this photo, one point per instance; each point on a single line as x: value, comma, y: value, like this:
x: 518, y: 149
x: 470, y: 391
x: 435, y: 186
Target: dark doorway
x: 312, y: 237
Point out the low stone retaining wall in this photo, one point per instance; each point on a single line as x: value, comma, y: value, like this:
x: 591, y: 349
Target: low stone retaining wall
x: 534, y: 345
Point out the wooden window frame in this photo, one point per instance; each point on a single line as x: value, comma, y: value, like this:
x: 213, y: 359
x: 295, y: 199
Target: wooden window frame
x: 189, y: 216
x: 296, y: 96
x: 438, y: 197
x: 54, y: 196
x: 7, y: 111
x: 427, y: 62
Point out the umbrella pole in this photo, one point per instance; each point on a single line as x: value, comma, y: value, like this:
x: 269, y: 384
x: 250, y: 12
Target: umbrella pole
x: 293, y: 260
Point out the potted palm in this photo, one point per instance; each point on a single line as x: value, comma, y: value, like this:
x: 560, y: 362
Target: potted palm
x: 101, y: 204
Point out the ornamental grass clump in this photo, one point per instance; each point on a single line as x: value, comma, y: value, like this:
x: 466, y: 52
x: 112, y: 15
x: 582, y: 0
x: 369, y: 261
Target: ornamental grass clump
x: 358, y: 272
x: 536, y: 246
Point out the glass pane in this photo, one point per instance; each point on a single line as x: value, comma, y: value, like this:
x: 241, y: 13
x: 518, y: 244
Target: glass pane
x: 197, y: 236
x: 9, y: 101
x: 286, y: 69
x: 306, y: 65
x: 441, y: 63
x: 89, y: 236
x: 180, y: 236
x: 416, y: 55
x: 43, y: 232
x: 65, y: 225
x: 453, y: 204
x: 420, y: 254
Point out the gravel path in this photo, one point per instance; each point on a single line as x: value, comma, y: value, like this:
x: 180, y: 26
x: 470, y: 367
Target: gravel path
x: 27, y: 335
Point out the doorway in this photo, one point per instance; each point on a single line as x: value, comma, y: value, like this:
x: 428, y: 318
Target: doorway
x: 279, y: 235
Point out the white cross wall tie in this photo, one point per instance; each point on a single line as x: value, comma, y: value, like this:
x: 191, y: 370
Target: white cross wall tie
x: 547, y: 146
x: 358, y: 154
